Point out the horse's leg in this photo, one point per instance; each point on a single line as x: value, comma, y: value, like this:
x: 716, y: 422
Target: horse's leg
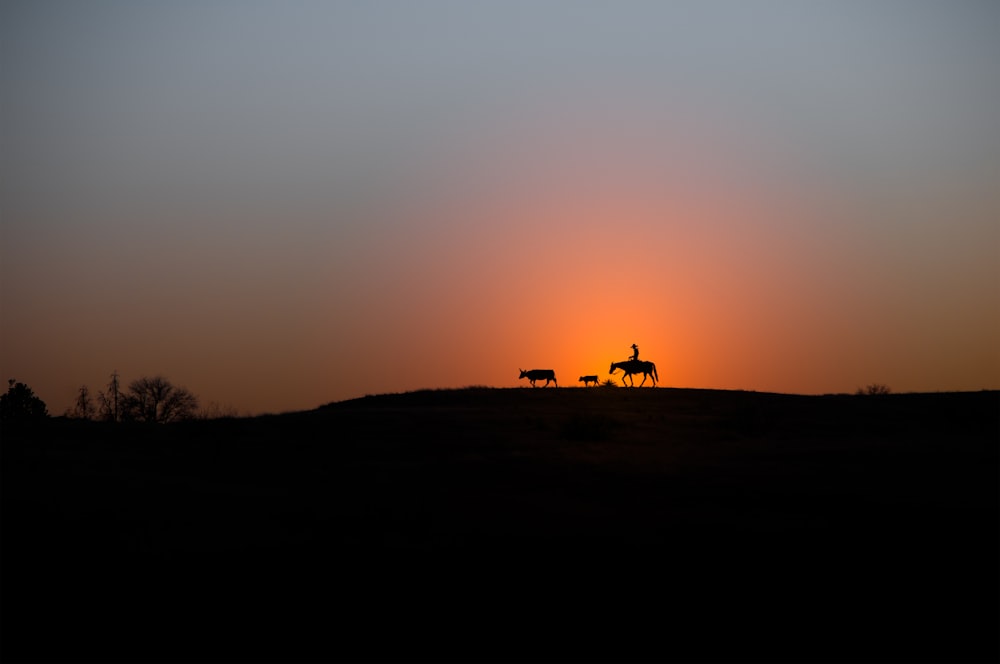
x: 643, y: 379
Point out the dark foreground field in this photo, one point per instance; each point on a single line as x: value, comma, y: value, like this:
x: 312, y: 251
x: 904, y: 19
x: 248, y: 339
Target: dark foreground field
x: 513, y: 524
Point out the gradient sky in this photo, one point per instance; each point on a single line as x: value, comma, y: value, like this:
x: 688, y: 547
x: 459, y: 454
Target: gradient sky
x: 282, y: 204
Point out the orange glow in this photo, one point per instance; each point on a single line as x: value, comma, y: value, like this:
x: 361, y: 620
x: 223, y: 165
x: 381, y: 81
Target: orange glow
x: 551, y: 239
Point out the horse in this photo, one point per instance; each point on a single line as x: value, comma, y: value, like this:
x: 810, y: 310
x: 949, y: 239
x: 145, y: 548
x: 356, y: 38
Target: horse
x: 537, y: 374
x: 630, y: 367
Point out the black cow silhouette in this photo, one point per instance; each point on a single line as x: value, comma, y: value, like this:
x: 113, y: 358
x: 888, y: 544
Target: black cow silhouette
x: 538, y: 374
x: 630, y: 367
x: 586, y: 380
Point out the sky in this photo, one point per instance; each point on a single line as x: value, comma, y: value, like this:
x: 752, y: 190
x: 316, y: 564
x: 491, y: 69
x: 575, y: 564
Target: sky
x: 282, y: 204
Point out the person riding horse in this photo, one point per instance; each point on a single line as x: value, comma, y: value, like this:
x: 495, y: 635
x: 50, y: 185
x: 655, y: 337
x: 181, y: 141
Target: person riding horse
x: 635, y: 352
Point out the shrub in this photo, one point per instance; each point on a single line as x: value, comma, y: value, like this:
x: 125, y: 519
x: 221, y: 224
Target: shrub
x: 875, y: 389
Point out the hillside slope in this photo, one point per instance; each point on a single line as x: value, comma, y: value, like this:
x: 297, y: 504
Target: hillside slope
x: 513, y: 524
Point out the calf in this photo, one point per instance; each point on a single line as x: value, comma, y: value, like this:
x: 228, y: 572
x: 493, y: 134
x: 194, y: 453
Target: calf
x: 537, y: 374
x: 588, y: 379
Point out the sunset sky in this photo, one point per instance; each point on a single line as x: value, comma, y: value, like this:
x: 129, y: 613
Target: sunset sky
x: 282, y: 204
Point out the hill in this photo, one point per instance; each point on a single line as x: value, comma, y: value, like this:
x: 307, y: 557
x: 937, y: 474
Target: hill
x: 519, y: 524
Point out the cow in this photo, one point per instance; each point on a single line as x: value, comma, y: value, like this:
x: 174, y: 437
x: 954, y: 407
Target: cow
x: 537, y: 374
x: 586, y: 380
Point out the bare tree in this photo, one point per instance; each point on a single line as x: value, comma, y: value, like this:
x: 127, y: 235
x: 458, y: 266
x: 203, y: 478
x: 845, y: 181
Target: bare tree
x: 83, y: 408
x: 155, y: 399
x: 108, y: 403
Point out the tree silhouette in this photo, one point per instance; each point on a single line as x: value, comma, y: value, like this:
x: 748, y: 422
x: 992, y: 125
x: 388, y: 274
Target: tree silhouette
x: 109, y: 402
x: 83, y: 408
x: 157, y: 400
x: 20, y: 404
x: 875, y: 389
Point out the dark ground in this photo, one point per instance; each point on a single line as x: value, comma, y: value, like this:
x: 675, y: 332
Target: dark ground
x: 513, y: 524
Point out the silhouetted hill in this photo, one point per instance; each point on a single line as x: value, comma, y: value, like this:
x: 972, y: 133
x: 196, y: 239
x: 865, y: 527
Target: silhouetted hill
x: 513, y: 524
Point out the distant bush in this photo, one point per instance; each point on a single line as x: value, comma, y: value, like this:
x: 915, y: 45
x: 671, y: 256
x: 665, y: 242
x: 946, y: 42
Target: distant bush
x: 874, y: 389
x: 216, y: 411
x: 609, y: 382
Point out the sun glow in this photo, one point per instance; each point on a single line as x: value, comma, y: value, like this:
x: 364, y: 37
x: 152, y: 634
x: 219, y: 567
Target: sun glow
x: 556, y: 261
x: 360, y: 211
